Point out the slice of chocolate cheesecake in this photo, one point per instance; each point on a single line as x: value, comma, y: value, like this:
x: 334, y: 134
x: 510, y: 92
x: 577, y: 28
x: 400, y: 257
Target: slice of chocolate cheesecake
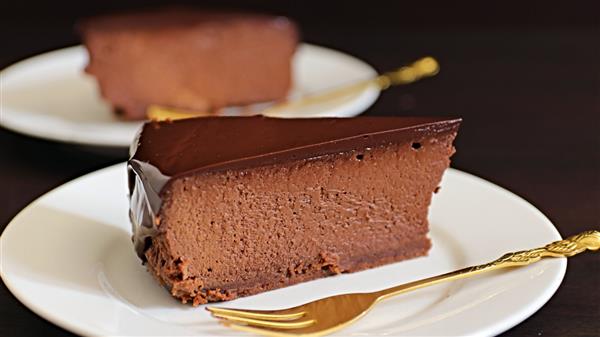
x: 188, y: 58
x: 233, y: 206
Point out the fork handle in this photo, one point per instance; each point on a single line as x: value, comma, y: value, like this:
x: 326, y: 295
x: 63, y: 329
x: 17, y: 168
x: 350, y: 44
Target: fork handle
x: 424, y: 67
x: 589, y: 240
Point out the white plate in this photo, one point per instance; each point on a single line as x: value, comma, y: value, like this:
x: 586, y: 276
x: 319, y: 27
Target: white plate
x: 69, y: 258
x: 49, y: 96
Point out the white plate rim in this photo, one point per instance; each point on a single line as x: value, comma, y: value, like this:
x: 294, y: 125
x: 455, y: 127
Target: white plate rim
x: 501, y: 325
x: 99, y: 133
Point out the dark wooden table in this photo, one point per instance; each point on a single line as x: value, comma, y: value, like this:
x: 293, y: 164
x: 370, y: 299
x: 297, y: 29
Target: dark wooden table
x: 526, y: 80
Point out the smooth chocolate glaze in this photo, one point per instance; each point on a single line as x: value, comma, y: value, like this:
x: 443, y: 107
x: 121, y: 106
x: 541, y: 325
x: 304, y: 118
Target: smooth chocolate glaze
x: 167, y: 150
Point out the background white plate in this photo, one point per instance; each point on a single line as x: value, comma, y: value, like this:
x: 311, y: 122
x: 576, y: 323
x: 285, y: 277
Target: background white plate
x: 69, y: 258
x: 49, y: 96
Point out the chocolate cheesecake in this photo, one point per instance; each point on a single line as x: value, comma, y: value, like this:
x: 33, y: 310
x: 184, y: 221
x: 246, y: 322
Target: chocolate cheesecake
x: 188, y: 58
x: 234, y: 206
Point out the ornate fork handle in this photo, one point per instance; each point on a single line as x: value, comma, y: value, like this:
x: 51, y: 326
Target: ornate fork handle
x: 421, y: 68
x: 589, y: 240
x: 570, y: 246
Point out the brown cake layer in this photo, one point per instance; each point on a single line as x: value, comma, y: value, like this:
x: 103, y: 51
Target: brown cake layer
x: 284, y: 201
x: 189, y: 59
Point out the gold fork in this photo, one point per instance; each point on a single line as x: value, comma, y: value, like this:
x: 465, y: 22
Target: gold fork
x: 324, y: 316
x: 421, y: 68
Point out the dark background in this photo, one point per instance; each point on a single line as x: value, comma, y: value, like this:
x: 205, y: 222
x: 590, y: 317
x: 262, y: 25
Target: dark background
x: 524, y: 75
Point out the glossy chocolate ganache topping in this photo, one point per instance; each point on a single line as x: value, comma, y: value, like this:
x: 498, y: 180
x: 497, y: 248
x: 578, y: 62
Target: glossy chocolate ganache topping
x: 167, y: 150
